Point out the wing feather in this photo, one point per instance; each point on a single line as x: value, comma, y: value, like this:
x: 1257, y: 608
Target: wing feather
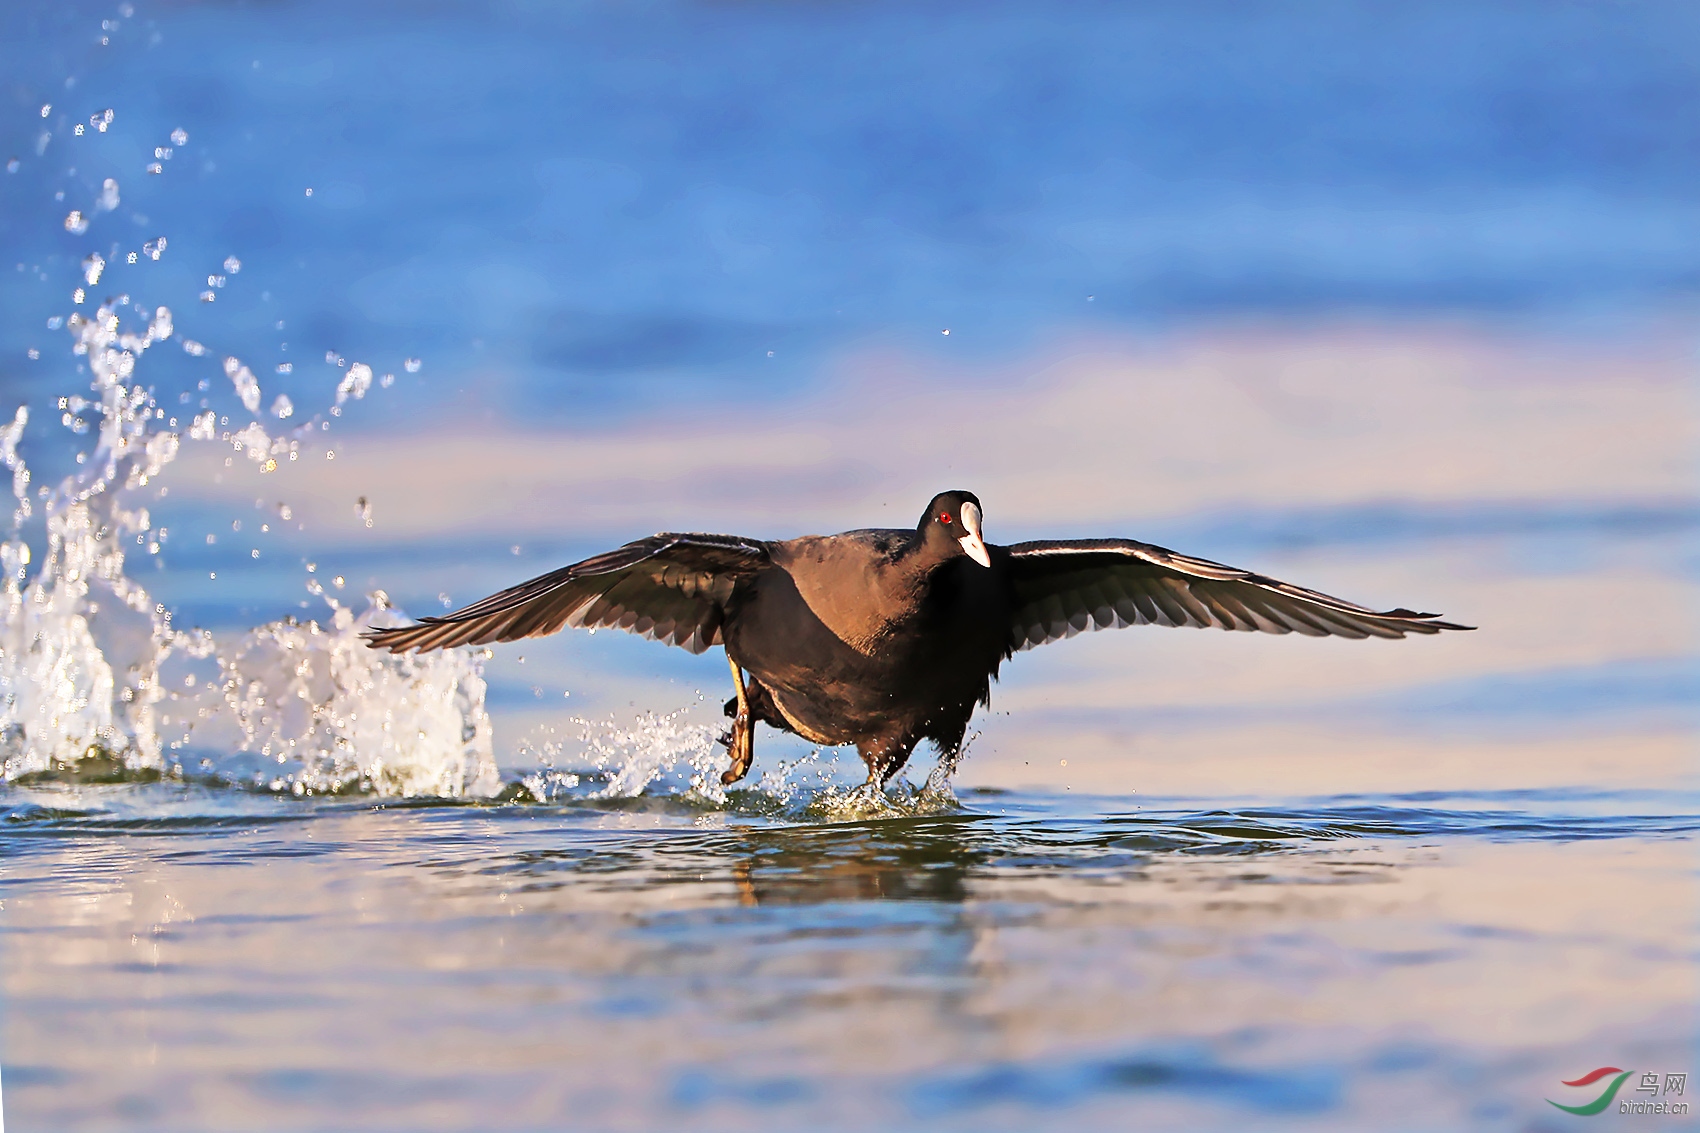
x: 1063, y: 588
x: 671, y: 588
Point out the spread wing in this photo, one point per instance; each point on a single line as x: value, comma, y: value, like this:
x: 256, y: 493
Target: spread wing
x: 670, y: 588
x: 1063, y: 588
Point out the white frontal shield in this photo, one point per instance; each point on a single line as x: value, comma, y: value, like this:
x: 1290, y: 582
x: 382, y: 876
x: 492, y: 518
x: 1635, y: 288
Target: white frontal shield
x: 972, y: 545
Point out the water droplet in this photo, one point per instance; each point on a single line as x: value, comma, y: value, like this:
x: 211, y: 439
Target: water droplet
x: 285, y: 368
x: 354, y: 384
x: 946, y: 330
x: 75, y: 224
x: 131, y: 258
x: 309, y: 192
x: 386, y: 381
x: 46, y: 109
x: 207, y: 296
x: 232, y: 265
x: 282, y: 409
x: 93, y: 265
x: 254, y: 554
x: 78, y: 130
x: 108, y: 195
x: 77, y: 295
x: 34, y: 354
x: 178, y: 137
x: 338, y: 582
x: 412, y: 365
x: 11, y: 165
x: 55, y: 322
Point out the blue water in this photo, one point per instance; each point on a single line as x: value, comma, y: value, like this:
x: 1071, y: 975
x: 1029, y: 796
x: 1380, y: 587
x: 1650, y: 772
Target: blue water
x: 653, y: 962
x: 602, y: 207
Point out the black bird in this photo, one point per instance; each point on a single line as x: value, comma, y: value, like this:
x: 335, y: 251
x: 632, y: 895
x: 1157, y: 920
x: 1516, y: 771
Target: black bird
x: 883, y: 638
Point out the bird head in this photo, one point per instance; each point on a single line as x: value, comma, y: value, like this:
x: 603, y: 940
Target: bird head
x: 956, y: 515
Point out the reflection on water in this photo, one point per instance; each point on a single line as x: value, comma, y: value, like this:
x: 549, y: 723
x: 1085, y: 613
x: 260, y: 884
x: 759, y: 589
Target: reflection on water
x: 1024, y: 962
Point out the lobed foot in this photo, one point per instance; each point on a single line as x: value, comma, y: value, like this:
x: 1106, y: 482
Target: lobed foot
x: 740, y: 741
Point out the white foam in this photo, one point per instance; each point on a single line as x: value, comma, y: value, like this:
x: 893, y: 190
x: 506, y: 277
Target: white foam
x: 332, y: 714
x: 88, y: 661
x: 655, y: 753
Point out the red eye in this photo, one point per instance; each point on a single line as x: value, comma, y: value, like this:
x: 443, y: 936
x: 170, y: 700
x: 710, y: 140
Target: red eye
x: 944, y: 518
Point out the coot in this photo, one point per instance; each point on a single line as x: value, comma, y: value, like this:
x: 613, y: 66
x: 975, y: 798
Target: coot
x: 883, y: 638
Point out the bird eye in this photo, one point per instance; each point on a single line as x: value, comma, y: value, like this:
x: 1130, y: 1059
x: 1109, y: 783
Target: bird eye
x: 944, y: 518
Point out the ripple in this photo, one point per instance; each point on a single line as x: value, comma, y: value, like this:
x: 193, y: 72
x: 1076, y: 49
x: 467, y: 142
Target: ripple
x: 1032, y: 822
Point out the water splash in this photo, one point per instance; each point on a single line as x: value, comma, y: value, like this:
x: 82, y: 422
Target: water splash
x: 355, y: 383
x: 326, y: 714
x: 657, y: 753
x: 247, y: 386
x: 797, y: 782
x: 72, y: 681
x: 899, y: 799
x: 662, y: 756
x: 91, y: 667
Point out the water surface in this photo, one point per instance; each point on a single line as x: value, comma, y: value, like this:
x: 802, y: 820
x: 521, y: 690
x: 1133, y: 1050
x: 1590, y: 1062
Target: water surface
x: 1023, y: 962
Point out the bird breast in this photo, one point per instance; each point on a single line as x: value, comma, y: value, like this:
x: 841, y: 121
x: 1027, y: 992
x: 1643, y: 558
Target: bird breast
x: 863, y: 599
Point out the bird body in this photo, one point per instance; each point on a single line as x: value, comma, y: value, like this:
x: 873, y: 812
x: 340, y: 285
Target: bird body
x: 884, y: 638
x: 867, y: 637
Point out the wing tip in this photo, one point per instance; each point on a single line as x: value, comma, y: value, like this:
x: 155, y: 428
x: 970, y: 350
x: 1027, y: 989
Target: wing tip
x: 1429, y: 623
x: 378, y: 638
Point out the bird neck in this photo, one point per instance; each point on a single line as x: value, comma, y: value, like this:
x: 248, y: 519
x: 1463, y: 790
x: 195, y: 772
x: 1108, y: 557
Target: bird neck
x: 929, y: 550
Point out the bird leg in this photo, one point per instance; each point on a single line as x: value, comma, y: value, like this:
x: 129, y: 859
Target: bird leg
x: 885, y: 758
x: 741, y: 740
x: 938, y: 779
